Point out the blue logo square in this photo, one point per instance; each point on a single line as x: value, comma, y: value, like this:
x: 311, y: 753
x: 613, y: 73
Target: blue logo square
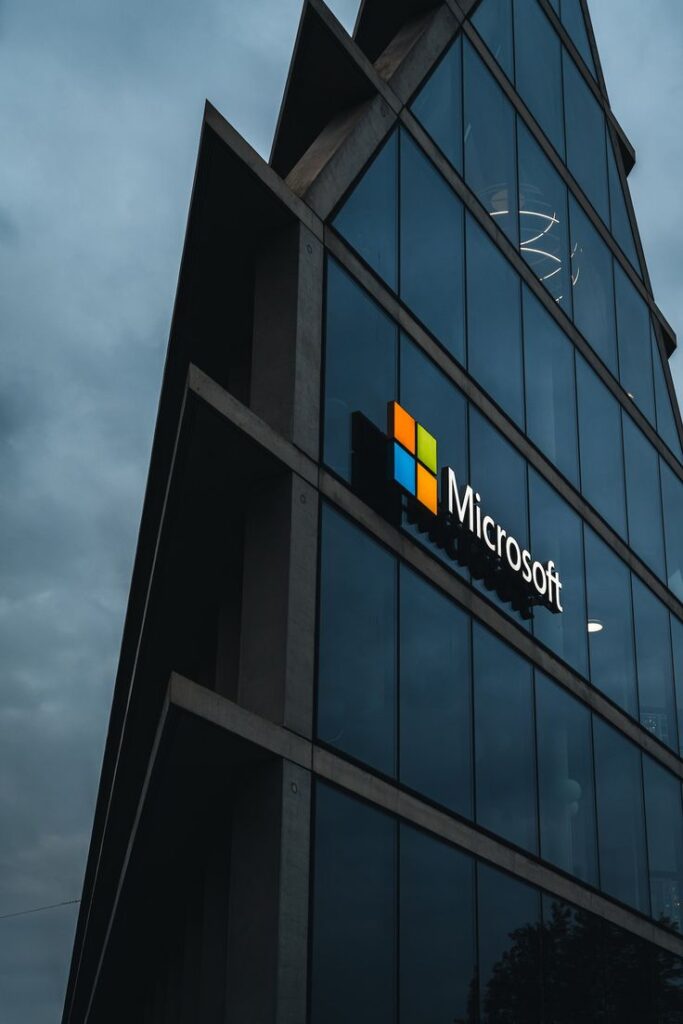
x: 404, y: 469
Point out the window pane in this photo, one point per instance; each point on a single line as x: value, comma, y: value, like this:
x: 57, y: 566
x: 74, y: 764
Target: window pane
x: 504, y: 741
x: 643, y: 498
x: 368, y: 220
x: 566, y: 781
x: 357, y: 644
x: 573, y: 21
x: 494, y: 323
x: 621, y: 224
x: 610, y: 615
x: 672, y: 501
x: 635, y: 348
x: 621, y: 823
x: 550, y: 388
x: 664, y: 814
x: 593, y: 287
x: 585, y: 134
x: 655, y: 670
x: 600, y: 444
x: 490, y: 151
x: 677, y: 644
x: 437, y: 930
x: 538, y: 66
x: 557, y: 535
x: 509, y: 949
x: 628, y: 963
x: 354, y: 928
x: 666, y: 423
x: 438, y: 105
x: 573, y: 992
x: 432, y: 271
x: 361, y: 345
x: 493, y: 21
x: 435, y: 695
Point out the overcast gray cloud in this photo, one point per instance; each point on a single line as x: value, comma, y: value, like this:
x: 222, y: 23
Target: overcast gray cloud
x: 102, y: 103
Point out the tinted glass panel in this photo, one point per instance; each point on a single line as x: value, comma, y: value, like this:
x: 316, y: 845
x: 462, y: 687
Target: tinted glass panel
x: 361, y: 346
x: 677, y: 643
x: 368, y: 220
x: 354, y: 898
x: 664, y: 814
x: 437, y: 930
x: 490, y: 151
x: 672, y: 500
x: 600, y: 445
x: 627, y: 964
x: 438, y: 105
x: 504, y: 741
x: 357, y: 644
x: 573, y: 21
x: 643, y: 498
x: 566, y: 781
x: 550, y: 388
x: 432, y: 271
x: 621, y: 823
x: 610, y: 615
x: 538, y: 65
x: 573, y: 990
x: 585, y: 134
x: 494, y: 323
x: 655, y: 670
x: 593, y: 287
x: 635, y: 349
x: 666, y: 424
x: 543, y: 220
x: 493, y: 21
x: 435, y: 696
x: 621, y: 224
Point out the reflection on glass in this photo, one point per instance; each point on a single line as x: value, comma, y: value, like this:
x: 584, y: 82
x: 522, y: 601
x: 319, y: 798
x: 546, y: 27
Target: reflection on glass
x: 585, y: 135
x: 573, y: 991
x: 672, y: 501
x: 621, y: 224
x: 593, y: 287
x: 643, y: 498
x: 493, y: 21
x: 601, y: 447
x: 538, y: 67
x: 438, y: 105
x: 677, y: 644
x: 664, y: 813
x: 573, y: 21
x: 635, y: 348
x: 655, y: 670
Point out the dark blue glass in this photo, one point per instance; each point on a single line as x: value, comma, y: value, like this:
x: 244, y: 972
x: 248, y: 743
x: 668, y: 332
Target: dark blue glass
x: 664, y: 816
x: 593, y: 287
x: 368, y: 220
x: 643, y: 498
x: 361, y: 355
x: 655, y: 669
x: 566, y: 781
x: 432, y: 249
x: 573, y: 991
x: 505, y: 765
x: 438, y: 105
x: 435, y: 746
x: 620, y: 220
x: 677, y: 647
x: 493, y: 21
x: 353, y: 961
x: 621, y: 819
x: 557, y: 535
x: 666, y: 423
x: 672, y: 503
x: 585, y: 137
x: 550, y: 388
x: 573, y: 21
x: 437, y: 947
x: 538, y: 67
x: 490, y: 148
x: 635, y: 344
x: 544, y: 219
x: 627, y: 964
x: 357, y: 644
x: 601, y: 447
x: 494, y: 323
x: 610, y: 624
x: 555, y: 4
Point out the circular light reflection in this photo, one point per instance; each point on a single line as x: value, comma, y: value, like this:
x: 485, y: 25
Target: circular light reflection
x: 594, y: 626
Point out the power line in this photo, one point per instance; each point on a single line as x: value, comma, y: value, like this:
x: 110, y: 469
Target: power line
x: 37, y: 910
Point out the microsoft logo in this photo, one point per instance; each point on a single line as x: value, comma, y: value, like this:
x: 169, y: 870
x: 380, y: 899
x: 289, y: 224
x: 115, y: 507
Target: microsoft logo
x: 413, y: 457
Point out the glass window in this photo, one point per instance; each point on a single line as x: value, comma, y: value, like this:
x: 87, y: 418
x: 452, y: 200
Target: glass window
x: 610, y: 624
x: 538, y: 66
x: 437, y: 948
x: 573, y: 21
x: 666, y: 423
x: 490, y: 149
x: 672, y: 501
x: 493, y: 21
x: 368, y: 220
x: 494, y: 323
x: 573, y: 992
x: 664, y: 814
x: 627, y: 964
x: 593, y: 287
x: 621, y: 822
x: 635, y: 347
x: 601, y: 447
x: 643, y: 498
x: 357, y: 644
x: 505, y: 769
x: 509, y: 949
x: 677, y: 644
x: 585, y: 135
x: 354, y: 908
x: 438, y: 105
x: 361, y: 345
x: 432, y: 271
x: 557, y: 535
x: 566, y: 781
x: 621, y: 223
x: 550, y: 388
x: 655, y: 670
x: 435, y: 696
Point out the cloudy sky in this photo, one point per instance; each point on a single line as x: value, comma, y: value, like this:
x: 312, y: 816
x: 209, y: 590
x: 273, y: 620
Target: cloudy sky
x: 100, y: 115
